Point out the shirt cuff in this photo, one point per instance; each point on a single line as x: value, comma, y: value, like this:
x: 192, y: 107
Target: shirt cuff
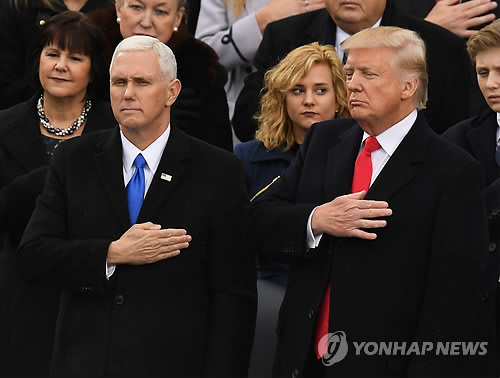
x: 312, y: 241
x: 110, y: 270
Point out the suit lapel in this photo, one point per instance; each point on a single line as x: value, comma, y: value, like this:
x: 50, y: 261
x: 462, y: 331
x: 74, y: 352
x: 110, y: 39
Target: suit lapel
x: 400, y: 169
x: 482, y: 141
x: 109, y: 165
x: 340, y: 165
x: 168, y: 175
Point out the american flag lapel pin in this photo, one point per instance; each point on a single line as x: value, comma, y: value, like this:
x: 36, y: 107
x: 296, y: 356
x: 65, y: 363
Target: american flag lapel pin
x: 166, y: 177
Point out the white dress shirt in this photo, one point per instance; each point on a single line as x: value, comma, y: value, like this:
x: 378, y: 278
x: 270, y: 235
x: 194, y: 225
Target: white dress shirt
x: 498, y: 130
x: 152, y: 155
x: 389, y: 141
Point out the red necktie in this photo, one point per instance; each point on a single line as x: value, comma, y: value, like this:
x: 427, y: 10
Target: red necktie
x: 360, y: 181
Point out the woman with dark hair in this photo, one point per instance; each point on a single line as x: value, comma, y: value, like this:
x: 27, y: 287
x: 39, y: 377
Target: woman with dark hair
x: 21, y: 21
x: 201, y: 109
x: 69, y: 70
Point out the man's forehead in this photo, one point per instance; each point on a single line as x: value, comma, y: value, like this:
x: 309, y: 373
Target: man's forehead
x: 136, y: 63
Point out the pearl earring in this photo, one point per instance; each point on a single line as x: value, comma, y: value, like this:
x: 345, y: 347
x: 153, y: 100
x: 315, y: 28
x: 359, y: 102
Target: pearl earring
x: 118, y: 20
x: 176, y: 28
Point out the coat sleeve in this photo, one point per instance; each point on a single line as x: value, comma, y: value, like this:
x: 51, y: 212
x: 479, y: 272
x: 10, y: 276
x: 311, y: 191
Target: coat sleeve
x: 232, y: 281
x: 46, y: 255
x: 277, y: 222
x: 235, y: 42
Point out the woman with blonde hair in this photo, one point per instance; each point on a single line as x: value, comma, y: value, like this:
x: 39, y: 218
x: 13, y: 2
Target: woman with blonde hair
x: 306, y: 87
x: 234, y: 29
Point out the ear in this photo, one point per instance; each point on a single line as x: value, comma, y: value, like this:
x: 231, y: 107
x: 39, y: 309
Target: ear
x: 118, y: 7
x: 409, y: 88
x: 178, y: 16
x: 173, y: 90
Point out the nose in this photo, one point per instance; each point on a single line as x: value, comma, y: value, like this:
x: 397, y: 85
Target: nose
x: 61, y: 64
x: 353, y: 82
x: 147, y: 18
x: 129, y: 92
x: 309, y: 97
x: 493, y: 80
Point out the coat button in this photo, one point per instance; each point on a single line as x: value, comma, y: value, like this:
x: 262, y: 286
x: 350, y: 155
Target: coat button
x: 492, y: 247
x: 484, y: 295
x: 295, y: 373
x: 310, y: 313
x: 119, y: 299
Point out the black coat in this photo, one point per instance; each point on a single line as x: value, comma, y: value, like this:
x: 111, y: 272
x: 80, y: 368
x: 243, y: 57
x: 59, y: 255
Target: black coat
x: 28, y: 312
x: 18, y: 30
x: 192, y: 315
x: 418, y: 281
x: 449, y: 66
x: 477, y: 136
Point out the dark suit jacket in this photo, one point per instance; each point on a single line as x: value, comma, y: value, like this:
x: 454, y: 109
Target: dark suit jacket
x: 477, y: 136
x: 448, y: 64
x: 27, y: 312
x: 418, y: 281
x: 192, y: 315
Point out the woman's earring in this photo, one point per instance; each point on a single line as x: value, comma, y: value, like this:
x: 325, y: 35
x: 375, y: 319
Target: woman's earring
x: 176, y: 28
x: 118, y: 20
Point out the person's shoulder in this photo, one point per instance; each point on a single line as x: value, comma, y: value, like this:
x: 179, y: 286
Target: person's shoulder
x: 248, y: 147
x: 10, y: 117
x: 457, y: 133
x: 332, y: 128
x: 202, y: 151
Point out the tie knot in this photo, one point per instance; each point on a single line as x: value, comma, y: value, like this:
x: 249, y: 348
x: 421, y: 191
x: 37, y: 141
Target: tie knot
x: 139, y: 161
x: 371, y: 144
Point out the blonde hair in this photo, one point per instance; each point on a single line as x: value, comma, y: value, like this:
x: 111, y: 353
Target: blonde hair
x: 409, y: 53
x: 275, y: 126
x: 236, y: 5
x: 487, y: 38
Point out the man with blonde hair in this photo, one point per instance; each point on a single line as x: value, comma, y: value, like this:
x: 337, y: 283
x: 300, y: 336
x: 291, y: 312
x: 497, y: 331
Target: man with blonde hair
x: 383, y: 275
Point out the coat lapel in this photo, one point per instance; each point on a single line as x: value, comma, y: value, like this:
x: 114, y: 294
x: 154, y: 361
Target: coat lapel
x: 109, y: 165
x: 482, y: 141
x: 340, y: 165
x: 168, y: 174
x: 400, y: 169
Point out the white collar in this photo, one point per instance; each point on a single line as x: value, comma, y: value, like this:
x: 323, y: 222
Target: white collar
x: 390, y: 139
x: 152, y: 154
x: 498, y: 129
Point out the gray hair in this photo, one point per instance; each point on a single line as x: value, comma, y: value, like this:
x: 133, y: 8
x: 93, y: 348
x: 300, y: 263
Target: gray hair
x: 409, y: 55
x: 168, y: 64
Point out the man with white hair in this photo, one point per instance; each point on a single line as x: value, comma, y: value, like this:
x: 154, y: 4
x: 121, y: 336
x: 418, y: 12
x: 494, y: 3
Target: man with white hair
x: 394, y: 276
x: 164, y: 288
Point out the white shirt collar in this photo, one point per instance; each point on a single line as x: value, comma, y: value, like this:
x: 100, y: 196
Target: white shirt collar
x: 341, y: 36
x: 498, y: 129
x: 152, y: 154
x: 390, y: 139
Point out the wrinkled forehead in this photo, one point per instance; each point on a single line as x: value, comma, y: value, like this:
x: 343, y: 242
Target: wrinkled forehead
x: 136, y: 63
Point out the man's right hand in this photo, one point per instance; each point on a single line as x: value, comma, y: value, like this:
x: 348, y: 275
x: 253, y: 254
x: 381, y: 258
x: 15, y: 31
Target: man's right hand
x: 147, y: 243
x: 347, y: 215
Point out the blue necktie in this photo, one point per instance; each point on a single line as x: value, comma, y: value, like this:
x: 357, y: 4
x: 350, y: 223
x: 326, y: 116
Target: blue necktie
x: 135, y: 189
